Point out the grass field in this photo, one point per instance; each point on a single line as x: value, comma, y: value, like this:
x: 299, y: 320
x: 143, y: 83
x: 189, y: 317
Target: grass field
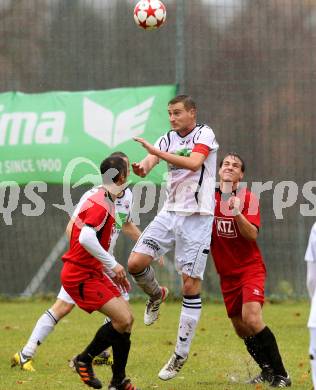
x: 218, y: 359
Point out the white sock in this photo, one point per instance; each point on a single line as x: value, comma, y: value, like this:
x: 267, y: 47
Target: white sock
x: 147, y: 281
x: 44, y: 326
x: 313, y: 367
x: 312, y: 352
x: 189, y: 318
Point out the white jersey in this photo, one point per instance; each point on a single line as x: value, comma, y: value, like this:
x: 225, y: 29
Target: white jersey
x: 310, y: 254
x: 187, y: 191
x: 123, y: 205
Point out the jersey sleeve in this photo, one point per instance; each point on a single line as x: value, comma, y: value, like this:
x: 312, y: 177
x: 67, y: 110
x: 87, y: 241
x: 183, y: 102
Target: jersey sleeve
x: 310, y: 254
x: 251, y: 209
x: 94, y: 215
x: 206, y: 136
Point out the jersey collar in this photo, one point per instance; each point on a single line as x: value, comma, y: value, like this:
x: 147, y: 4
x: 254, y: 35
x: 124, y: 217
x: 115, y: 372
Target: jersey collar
x: 121, y: 196
x: 184, y: 136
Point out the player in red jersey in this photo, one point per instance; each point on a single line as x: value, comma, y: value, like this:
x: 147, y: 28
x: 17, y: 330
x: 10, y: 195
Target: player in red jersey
x: 84, y: 280
x: 242, y: 271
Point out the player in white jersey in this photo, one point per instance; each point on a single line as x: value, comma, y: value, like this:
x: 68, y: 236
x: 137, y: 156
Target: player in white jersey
x: 310, y: 258
x: 64, y: 303
x: 184, y: 223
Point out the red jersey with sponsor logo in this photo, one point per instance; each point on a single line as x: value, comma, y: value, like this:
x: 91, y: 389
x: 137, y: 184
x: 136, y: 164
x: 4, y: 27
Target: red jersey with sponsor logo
x: 232, y: 253
x: 96, y: 211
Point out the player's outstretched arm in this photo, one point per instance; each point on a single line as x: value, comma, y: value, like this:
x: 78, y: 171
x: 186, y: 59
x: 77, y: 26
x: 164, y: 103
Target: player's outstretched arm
x: 145, y: 166
x: 131, y: 230
x: 192, y: 162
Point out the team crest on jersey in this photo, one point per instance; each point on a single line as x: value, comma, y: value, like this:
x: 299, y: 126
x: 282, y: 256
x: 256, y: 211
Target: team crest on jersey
x: 225, y: 227
x: 183, y: 142
x: 185, y: 152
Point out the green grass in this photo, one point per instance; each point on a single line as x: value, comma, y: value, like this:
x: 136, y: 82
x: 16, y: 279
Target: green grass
x: 217, y: 357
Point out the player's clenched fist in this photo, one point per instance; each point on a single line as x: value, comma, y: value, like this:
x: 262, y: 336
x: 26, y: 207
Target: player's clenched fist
x: 234, y: 205
x: 138, y: 169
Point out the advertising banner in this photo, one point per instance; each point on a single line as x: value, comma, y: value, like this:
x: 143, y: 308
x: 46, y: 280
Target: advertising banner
x: 59, y: 137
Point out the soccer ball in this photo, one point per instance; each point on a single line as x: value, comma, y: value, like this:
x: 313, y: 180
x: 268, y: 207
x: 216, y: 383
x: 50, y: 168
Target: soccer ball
x: 150, y: 14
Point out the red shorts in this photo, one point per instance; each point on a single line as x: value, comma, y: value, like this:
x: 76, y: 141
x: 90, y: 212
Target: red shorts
x: 246, y: 287
x: 88, y: 288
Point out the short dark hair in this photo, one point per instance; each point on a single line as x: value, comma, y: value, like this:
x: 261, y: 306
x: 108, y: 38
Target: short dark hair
x: 187, y: 101
x: 113, y: 162
x: 118, y: 154
x: 234, y: 154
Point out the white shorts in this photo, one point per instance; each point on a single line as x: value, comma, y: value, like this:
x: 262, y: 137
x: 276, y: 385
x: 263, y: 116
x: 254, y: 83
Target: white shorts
x: 190, y: 235
x: 311, y: 286
x: 312, y: 314
x: 64, y: 296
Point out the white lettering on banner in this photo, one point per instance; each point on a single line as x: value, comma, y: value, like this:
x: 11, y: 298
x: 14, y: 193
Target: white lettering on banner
x: 51, y: 128
x: 49, y: 165
x: 18, y: 166
x: 29, y: 128
x: 8, y: 167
